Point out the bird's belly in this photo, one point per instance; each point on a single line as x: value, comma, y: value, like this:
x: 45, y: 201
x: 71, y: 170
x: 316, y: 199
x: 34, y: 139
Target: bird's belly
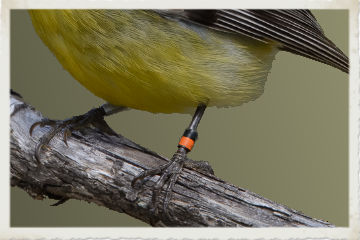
x: 143, y: 61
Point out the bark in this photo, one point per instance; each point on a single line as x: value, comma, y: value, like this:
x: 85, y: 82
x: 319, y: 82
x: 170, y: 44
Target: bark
x: 99, y: 168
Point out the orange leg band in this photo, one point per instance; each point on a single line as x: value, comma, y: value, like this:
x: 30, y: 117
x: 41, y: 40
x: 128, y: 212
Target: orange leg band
x: 186, y: 142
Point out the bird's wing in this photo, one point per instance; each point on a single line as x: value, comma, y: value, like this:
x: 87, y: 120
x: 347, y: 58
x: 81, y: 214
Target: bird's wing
x: 297, y: 31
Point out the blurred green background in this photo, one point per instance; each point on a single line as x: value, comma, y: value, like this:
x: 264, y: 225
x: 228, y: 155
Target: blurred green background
x: 290, y: 145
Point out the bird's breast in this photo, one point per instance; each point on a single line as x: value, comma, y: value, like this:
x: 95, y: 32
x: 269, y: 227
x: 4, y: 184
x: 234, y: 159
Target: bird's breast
x: 141, y: 60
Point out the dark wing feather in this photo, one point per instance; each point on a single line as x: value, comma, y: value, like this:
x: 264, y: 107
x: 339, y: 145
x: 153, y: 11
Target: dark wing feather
x: 297, y: 31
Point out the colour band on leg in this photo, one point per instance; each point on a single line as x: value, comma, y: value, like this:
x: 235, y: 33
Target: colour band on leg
x: 187, y: 143
x: 188, y: 139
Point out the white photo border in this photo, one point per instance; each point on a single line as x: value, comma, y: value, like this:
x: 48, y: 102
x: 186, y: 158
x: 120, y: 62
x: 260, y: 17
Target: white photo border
x: 350, y: 232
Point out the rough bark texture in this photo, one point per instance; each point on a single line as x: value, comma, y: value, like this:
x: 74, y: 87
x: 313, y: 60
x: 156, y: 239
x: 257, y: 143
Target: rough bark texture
x: 99, y: 168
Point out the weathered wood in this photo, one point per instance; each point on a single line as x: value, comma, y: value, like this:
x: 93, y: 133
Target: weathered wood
x: 98, y: 168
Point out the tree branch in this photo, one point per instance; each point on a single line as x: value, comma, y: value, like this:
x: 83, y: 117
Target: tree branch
x: 99, y: 168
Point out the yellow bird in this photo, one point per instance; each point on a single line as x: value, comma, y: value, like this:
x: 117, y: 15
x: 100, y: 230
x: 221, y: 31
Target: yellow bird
x: 175, y: 61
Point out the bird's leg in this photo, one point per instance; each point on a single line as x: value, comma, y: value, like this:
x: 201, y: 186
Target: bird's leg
x: 170, y: 171
x: 94, y: 117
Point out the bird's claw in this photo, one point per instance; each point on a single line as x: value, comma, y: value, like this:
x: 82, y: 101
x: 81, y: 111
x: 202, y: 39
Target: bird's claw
x: 93, y: 117
x: 169, y: 172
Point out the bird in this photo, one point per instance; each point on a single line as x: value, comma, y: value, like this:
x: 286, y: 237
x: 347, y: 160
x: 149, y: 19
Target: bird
x: 174, y: 61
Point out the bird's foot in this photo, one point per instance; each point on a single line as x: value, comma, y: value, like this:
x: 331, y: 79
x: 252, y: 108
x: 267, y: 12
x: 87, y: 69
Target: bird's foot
x: 169, y: 174
x: 94, y: 117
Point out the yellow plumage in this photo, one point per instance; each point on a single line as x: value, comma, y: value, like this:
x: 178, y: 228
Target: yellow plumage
x: 138, y: 59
